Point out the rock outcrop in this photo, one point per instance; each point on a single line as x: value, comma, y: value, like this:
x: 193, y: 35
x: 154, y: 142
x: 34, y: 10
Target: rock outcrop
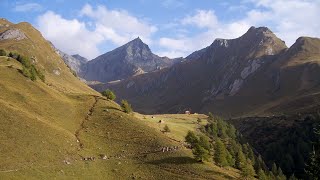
x: 15, y: 34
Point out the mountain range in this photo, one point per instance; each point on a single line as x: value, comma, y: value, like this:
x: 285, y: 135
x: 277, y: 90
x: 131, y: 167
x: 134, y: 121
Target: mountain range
x: 255, y: 74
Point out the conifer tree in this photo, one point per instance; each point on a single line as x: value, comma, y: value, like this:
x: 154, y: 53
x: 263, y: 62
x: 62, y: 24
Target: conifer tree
x: 191, y: 139
x: 200, y: 153
x: 230, y: 159
x: 262, y: 175
x: 247, y: 170
x: 274, y: 169
x: 210, y: 116
x: 220, y: 153
x: 251, y: 155
x: 313, y: 167
x: 240, y: 159
x: 281, y: 176
x: 204, y: 142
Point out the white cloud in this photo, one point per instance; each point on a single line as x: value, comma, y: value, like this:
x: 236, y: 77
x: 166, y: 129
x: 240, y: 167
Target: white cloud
x: 28, y: 7
x: 208, y: 21
x: 71, y: 36
x: 79, y: 37
x: 202, y: 19
x: 118, y: 25
x: 287, y: 19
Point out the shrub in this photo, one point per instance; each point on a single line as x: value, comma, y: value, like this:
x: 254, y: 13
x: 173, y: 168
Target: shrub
x: 25, y: 72
x: 40, y: 75
x: 199, y: 120
x: 33, y: 73
x: 28, y: 69
x: 126, y: 107
x: 3, y: 52
x: 166, y: 128
x: 109, y: 94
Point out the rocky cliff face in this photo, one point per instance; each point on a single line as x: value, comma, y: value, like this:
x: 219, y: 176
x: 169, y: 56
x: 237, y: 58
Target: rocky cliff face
x: 255, y: 72
x: 75, y: 62
x: 128, y: 60
x: 15, y: 34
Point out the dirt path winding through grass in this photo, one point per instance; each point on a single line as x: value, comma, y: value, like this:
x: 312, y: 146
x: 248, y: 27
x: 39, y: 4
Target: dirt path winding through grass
x: 90, y: 112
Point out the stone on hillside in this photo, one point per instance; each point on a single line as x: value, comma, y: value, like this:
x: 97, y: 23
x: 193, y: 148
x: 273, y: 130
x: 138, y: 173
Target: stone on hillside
x: 12, y: 34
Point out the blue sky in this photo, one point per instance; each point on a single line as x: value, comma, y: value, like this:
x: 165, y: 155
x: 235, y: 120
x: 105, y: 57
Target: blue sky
x: 171, y: 28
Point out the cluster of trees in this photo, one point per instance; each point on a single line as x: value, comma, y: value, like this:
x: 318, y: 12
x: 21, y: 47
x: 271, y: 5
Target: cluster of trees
x: 219, y: 141
x: 290, y: 147
x: 28, y: 69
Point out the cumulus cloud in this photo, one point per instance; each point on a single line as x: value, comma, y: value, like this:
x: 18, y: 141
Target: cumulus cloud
x: 287, y: 19
x: 28, y: 7
x: 118, y: 25
x: 213, y: 28
x: 84, y: 37
x: 202, y: 19
x: 71, y: 36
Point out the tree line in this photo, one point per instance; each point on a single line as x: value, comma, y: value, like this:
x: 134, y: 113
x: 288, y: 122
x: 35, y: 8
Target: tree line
x: 220, y: 142
x: 29, y: 70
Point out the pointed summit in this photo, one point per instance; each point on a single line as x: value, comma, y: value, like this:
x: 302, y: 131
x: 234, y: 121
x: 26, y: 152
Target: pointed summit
x: 134, y: 57
x: 262, y: 41
x: 137, y: 46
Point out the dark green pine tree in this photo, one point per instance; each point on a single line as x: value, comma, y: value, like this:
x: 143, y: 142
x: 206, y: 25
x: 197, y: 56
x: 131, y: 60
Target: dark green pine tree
x: 220, y: 153
x: 281, y: 176
x: 313, y: 167
x: 262, y: 175
x: 191, y: 139
x: 200, y: 153
x: 274, y: 169
x: 240, y: 159
x: 251, y: 156
x: 247, y: 170
x: 293, y: 177
x: 260, y: 164
x: 204, y: 142
x: 230, y: 159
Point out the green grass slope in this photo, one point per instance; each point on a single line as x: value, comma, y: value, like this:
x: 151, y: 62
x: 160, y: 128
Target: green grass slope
x: 48, y: 128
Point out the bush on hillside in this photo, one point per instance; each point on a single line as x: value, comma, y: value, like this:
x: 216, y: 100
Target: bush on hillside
x: 126, y: 107
x: 28, y: 69
x: 166, y: 128
x: 109, y: 94
x: 3, y: 52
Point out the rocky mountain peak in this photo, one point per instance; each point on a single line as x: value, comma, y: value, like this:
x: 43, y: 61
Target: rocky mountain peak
x: 262, y: 41
x: 131, y: 59
x: 305, y: 45
x: 137, y: 46
x: 80, y: 58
